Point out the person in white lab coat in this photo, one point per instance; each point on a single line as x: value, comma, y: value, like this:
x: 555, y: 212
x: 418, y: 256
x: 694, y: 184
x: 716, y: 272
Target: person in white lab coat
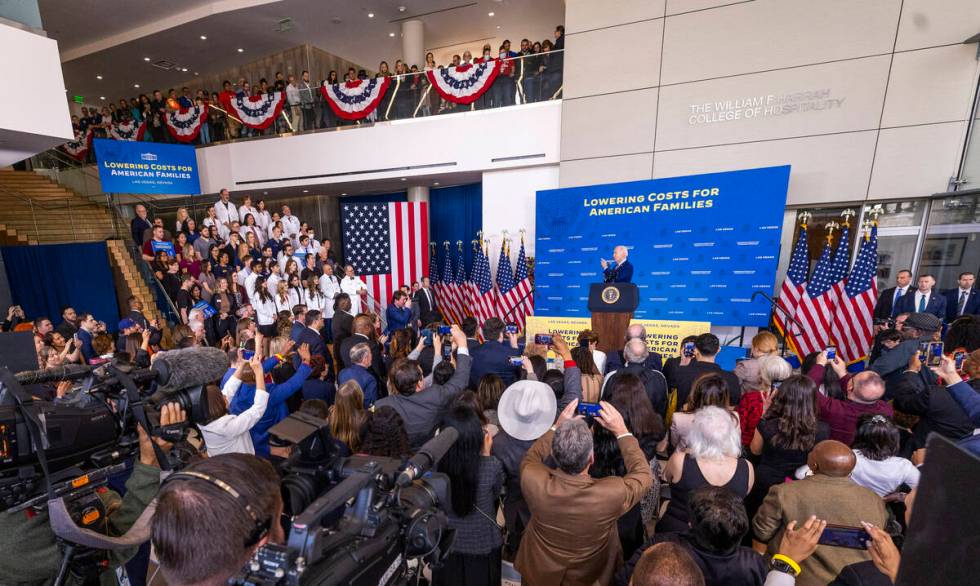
x: 330, y: 287
x: 353, y: 286
x: 225, y: 211
x: 290, y: 223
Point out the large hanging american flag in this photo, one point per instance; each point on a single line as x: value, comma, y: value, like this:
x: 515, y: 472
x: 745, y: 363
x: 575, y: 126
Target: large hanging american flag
x: 854, y: 318
x: 435, y: 278
x: 388, y: 245
x: 792, y: 289
x: 819, y: 300
x: 505, y: 285
x: 522, y: 289
x: 481, y: 288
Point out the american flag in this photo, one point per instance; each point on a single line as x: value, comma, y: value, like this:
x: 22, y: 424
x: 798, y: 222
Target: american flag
x: 522, y: 289
x: 451, y: 308
x: 854, y: 319
x: 816, y: 308
x: 505, y: 285
x: 388, y: 245
x: 793, y: 287
x: 434, y: 277
x: 459, y: 282
x: 481, y: 288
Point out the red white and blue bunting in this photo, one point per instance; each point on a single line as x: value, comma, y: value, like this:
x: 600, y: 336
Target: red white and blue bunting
x: 185, y: 124
x: 465, y: 83
x: 128, y: 130
x: 354, y: 100
x: 78, y: 148
x: 258, y: 112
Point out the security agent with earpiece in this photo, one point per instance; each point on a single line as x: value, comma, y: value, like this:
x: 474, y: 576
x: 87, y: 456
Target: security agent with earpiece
x: 212, y: 517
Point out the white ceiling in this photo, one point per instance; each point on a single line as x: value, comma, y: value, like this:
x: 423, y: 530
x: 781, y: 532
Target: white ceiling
x: 111, y: 37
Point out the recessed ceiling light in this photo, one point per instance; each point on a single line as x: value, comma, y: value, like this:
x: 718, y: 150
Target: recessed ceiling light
x: 391, y: 34
x: 306, y: 191
x: 101, y: 97
x: 370, y: 15
x: 184, y: 69
x: 136, y: 85
x: 196, y: 73
x: 498, y: 26
x: 343, y: 194
x: 204, y: 37
x: 403, y: 179
x: 435, y: 183
x: 401, y: 9
x: 240, y: 50
x: 490, y: 14
x: 98, y: 77
x: 146, y: 58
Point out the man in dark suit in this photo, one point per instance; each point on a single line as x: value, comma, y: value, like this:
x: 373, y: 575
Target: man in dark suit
x: 887, y: 299
x: 963, y: 300
x: 310, y: 334
x: 140, y: 224
x: 299, y: 325
x: 620, y: 270
x: 342, y: 326
x: 654, y: 383
x: 426, y: 302
x: 614, y: 360
x: 923, y: 300
x: 493, y: 356
x: 360, y: 371
x: 362, y: 334
x: 706, y: 347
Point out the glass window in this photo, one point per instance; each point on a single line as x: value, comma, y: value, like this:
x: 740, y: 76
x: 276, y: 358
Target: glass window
x: 970, y: 173
x: 950, y: 246
x: 899, y: 226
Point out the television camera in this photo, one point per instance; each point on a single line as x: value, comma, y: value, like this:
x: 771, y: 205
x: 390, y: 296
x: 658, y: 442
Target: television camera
x: 357, y: 520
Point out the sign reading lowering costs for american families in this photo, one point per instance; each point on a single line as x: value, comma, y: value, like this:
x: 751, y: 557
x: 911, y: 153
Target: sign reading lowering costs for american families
x: 700, y: 245
x: 147, y: 167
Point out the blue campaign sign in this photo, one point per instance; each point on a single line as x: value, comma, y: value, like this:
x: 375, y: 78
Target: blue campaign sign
x: 699, y: 245
x: 127, y: 166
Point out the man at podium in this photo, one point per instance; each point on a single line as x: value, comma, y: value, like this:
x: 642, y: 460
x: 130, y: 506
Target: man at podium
x: 620, y: 270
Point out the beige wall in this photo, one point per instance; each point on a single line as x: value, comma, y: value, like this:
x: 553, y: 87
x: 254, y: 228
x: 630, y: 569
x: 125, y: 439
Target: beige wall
x: 888, y: 87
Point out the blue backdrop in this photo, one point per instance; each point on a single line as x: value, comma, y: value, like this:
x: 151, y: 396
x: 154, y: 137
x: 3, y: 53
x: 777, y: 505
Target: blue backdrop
x: 700, y: 245
x: 455, y: 213
x: 146, y: 167
x: 45, y: 277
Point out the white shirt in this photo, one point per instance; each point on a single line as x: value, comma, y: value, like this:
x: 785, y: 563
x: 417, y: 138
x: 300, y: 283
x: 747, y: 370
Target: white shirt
x: 290, y: 226
x: 215, y: 222
x: 258, y: 231
x: 283, y: 304
x: 330, y: 287
x: 318, y: 302
x: 229, y: 434
x: 919, y: 295
x: 352, y: 286
x: 884, y: 476
x: 250, y: 284
x: 243, y: 276
x: 272, y: 283
x: 265, y: 311
x: 242, y: 210
x: 263, y: 219
x: 226, y: 212
x: 292, y: 95
x: 296, y: 297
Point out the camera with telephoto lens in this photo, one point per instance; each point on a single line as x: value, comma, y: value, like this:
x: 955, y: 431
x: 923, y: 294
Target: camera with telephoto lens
x: 357, y: 520
x: 886, y: 323
x: 57, y: 455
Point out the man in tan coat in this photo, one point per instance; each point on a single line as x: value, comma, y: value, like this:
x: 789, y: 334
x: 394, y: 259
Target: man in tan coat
x: 832, y: 496
x: 572, y: 538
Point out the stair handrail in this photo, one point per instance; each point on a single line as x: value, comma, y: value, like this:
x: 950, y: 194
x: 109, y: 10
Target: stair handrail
x: 164, y: 303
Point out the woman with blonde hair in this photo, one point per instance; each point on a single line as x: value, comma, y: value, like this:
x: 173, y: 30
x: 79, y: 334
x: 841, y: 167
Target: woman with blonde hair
x: 347, y: 415
x: 181, y: 218
x: 282, y: 299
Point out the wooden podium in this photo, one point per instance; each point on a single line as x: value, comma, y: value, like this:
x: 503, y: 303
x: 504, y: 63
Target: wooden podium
x: 612, y: 306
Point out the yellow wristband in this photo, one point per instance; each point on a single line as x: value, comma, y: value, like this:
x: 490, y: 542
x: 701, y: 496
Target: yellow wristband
x: 789, y: 561
x: 280, y: 358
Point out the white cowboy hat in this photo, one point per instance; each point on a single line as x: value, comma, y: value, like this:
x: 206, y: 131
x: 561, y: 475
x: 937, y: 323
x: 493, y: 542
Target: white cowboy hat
x: 527, y: 409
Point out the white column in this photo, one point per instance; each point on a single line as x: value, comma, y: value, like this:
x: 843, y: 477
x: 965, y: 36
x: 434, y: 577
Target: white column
x: 413, y: 43
x: 418, y: 193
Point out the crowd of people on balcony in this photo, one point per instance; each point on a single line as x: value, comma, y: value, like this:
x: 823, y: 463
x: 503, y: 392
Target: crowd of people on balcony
x: 531, y: 73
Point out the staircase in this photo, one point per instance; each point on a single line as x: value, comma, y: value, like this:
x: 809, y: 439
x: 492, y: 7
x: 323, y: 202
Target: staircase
x: 129, y: 281
x: 36, y: 210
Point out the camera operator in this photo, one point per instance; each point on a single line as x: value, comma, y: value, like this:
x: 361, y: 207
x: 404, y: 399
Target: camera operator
x: 212, y: 516
x: 31, y: 554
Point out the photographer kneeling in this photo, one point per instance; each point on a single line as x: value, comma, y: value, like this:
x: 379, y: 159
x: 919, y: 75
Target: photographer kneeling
x: 212, y: 516
x: 31, y: 554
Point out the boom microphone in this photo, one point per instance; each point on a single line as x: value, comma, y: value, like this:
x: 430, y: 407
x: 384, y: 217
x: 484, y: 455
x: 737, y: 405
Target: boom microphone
x: 50, y: 375
x: 427, y: 456
x: 190, y: 367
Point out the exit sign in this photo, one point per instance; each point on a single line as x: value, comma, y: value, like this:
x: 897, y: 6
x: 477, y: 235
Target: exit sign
x: 79, y: 99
